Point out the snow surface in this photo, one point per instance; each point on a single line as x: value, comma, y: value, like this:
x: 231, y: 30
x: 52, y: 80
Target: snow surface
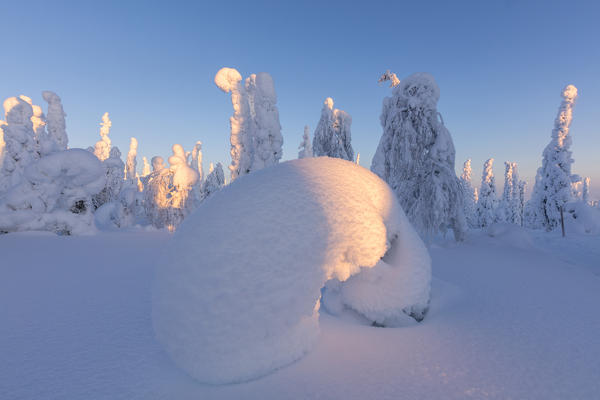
x: 504, y: 322
x: 237, y: 292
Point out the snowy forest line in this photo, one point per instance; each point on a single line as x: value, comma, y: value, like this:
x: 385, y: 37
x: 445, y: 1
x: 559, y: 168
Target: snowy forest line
x: 45, y: 185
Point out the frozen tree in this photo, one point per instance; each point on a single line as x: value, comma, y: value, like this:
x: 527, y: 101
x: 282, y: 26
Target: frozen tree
x: 55, y: 194
x: 197, y: 160
x: 2, y: 149
x: 305, y: 147
x: 486, y: 206
x: 214, y: 181
x: 266, y: 138
x: 113, y: 172
x: 391, y: 77
x: 522, y: 188
x: 20, y: 148
x: 505, y: 212
x: 553, y: 183
x: 157, y: 163
x: 55, y: 120
x: 415, y: 157
x: 256, y: 140
x: 332, y: 137
x: 146, y: 170
x: 585, y: 194
x: 102, y: 148
x: 469, y: 194
x: 131, y: 165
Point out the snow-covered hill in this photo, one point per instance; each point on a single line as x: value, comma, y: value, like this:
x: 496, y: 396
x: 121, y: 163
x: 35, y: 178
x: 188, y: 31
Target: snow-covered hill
x: 512, y: 316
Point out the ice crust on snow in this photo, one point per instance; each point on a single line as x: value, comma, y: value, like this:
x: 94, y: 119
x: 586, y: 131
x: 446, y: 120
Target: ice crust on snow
x: 237, y: 293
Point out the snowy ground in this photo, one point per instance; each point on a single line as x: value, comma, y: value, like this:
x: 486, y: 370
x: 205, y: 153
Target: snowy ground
x: 514, y: 316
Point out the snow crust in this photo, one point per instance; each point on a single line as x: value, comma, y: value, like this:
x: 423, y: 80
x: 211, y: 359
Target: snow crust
x: 237, y: 293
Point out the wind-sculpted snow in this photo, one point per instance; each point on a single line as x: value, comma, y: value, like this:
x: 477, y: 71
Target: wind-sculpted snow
x: 237, y: 293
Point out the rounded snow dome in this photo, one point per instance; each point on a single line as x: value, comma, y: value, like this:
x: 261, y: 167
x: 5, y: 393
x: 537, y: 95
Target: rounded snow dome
x: 237, y: 294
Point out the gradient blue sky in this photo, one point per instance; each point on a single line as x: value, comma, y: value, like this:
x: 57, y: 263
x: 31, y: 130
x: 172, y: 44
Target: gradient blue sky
x: 500, y: 67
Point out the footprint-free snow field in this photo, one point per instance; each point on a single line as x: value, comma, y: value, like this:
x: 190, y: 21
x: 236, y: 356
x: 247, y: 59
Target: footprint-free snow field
x: 512, y: 316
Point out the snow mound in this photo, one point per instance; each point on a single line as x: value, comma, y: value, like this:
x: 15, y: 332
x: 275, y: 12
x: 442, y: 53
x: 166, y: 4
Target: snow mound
x: 237, y: 294
x: 510, y: 234
x: 581, y: 218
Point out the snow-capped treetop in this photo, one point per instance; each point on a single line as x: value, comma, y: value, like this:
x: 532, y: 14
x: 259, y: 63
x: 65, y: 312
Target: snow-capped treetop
x: 184, y: 177
x: 467, y: 172
x: 102, y: 148
x: 228, y: 79
x: 585, y: 193
x: 419, y: 90
x: 38, y: 119
x: 18, y: 112
x: 146, y: 170
x: 332, y: 137
x: 196, y: 162
x: 486, y: 206
x: 55, y: 120
x: 305, y: 147
x: 131, y: 164
x: 391, y: 77
x: 214, y: 181
x: 157, y: 163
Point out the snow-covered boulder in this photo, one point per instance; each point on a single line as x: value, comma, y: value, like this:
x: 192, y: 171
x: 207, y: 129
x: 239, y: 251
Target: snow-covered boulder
x: 237, y: 293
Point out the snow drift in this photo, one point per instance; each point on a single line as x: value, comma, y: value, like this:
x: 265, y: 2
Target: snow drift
x: 237, y: 294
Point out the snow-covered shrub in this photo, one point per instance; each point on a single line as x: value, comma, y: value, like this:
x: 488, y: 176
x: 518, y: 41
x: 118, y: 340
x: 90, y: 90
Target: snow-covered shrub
x: 581, y: 218
x: 55, y: 194
x: 305, y: 147
x: 553, y: 182
x: 415, y: 157
x: 487, y: 204
x: 234, y: 298
x: 332, y: 136
x: 256, y: 140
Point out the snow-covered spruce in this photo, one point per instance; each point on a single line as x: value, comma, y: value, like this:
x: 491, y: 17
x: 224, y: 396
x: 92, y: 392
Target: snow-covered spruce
x: 55, y: 120
x: 487, y: 203
x: 415, y: 157
x: 234, y: 298
x: 131, y: 164
x: 214, y: 181
x: 469, y: 194
x: 552, y: 189
x: 256, y: 140
x: 102, y: 147
x: 332, y: 136
x: 55, y: 195
x: 305, y: 147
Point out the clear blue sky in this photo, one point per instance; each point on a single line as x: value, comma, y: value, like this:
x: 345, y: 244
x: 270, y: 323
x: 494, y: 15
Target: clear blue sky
x: 500, y: 67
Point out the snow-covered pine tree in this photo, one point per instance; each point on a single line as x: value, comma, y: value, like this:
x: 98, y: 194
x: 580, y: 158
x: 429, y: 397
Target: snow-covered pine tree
x: 38, y: 119
x: 516, y: 213
x: 504, y: 211
x: 196, y: 162
x: 55, y: 120
x: 20, y: 149
x: 214, y: 181
x: 553, y: 182
x: 146, y: 169
x: 415, y: 157
x: 114, y: 178
x: 585, y: 193
x: 256, y: 140
x: 131, y: 165
x: 305, y: 147
x: 521, y: 209
x: 469, y: 194
x: 332, y: 137
x: 102, y: 147
x: 486, y: 206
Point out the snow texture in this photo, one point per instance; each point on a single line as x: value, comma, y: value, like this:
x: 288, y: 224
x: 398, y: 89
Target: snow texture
x: 305, y: 147
x: 553, y: 181
x: 55, y: 195
x: 415, y: 156
x: 333, y: 137
x: 234, y: 298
